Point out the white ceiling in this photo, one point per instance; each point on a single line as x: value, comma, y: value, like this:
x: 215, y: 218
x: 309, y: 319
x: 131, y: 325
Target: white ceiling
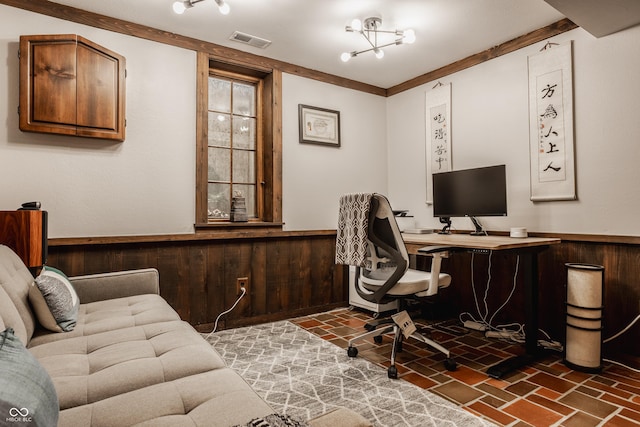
x: 310, y: 33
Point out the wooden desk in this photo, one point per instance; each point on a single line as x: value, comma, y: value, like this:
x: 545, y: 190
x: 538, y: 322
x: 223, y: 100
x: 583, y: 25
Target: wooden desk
x: 528, y: 249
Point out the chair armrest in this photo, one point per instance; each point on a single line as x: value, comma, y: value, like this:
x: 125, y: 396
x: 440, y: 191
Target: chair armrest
x: 435, y: 249
x: 120, y: 284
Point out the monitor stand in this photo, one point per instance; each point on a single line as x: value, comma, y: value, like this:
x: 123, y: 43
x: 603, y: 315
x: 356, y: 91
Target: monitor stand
x: 447, y: 225
x: 479, y: 231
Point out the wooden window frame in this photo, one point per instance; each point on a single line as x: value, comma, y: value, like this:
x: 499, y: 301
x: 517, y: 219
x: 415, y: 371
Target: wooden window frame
x: 269, y: 169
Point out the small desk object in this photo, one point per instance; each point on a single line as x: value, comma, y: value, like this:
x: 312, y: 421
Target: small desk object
x: 528, y: 249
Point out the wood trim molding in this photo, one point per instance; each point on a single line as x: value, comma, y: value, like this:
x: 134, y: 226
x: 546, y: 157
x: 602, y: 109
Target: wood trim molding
x: 237, y: 57
x: 494, y: 52
x: 190, y: 237
x: 267, y: 234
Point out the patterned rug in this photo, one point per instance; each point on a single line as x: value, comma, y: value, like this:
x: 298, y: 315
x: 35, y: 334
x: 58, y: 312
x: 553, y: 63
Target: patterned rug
x: 303, y: 376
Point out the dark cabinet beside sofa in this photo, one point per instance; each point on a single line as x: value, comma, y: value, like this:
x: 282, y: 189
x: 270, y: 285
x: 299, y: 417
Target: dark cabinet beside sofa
x: 71, y: 86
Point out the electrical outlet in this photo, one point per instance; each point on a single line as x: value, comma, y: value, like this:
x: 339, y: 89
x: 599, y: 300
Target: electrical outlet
x: 242, y: 282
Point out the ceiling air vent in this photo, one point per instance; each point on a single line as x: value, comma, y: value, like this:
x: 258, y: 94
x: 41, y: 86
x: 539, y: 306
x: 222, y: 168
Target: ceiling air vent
x: 254, y: 41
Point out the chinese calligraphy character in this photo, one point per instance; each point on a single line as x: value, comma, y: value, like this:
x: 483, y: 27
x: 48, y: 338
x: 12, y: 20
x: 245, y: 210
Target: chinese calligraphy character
x: 549, y: 166
x: 549, y: 91
x: 550, y: 112
x: 551, y: 131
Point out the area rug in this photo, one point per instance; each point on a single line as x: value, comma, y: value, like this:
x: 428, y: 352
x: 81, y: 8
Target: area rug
x: 303, y: 376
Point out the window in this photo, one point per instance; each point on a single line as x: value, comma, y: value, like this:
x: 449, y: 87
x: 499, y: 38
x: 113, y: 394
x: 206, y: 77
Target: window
x: 238, y: 145
x: 233, y: 143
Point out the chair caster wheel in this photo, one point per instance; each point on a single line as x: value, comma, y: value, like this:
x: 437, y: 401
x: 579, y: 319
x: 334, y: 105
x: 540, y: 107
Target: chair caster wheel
x: 450, y: 364
x: 377, y: 339
x: 352, y: 352
x: 392, y: 372
x: 369, y: 327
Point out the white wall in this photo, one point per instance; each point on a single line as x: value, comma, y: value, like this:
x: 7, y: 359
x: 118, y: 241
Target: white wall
x: 90, y: 187
x: 314, y: 176
x: 146, y: 185
x: 490, y: 126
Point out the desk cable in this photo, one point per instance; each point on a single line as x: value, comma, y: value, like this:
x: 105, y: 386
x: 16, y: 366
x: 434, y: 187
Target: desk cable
x: 504, y: 331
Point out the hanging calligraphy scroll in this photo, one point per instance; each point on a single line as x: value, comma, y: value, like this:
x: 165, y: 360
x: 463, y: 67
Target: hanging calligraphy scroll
x: 438, y: 133
x: 551, y: 124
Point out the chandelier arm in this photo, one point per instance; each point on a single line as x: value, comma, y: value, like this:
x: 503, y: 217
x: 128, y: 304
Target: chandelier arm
x: 376, y: 31
x: 399, y: 41
x: 354, y: 53
x: 192, y: 2
x: 366, y: 36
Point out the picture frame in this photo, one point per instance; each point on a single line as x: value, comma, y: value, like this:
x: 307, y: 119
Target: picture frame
x: 319, y: 125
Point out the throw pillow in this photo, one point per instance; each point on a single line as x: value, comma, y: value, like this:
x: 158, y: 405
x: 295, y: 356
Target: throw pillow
x: 27, y: 395
x: 54, y: 300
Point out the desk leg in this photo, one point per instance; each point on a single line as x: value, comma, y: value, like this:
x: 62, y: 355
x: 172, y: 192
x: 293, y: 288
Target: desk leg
x: 529, y: 264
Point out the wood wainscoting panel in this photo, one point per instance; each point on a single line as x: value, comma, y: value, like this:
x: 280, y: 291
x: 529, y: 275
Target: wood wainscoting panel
x: 288, y: 275
x: 293, y: 273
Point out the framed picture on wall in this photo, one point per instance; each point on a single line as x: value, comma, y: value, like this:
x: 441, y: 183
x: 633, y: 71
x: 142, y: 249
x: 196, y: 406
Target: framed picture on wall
x: 319, y: 125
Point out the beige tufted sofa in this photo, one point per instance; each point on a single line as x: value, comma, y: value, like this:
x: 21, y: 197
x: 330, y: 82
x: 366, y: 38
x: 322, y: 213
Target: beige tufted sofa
x: 130, y: 359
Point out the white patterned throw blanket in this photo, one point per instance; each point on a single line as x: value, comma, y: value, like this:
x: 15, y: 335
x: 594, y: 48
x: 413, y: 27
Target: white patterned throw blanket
x: 353, y: 219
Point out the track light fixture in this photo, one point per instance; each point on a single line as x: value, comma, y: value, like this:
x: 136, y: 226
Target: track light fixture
x: 180, y: 7
x: 369, y: 30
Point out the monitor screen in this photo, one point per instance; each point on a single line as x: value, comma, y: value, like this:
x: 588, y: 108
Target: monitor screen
x: 470, y: 192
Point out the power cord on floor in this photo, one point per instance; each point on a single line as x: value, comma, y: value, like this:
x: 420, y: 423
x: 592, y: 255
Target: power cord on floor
x: 215, y: 326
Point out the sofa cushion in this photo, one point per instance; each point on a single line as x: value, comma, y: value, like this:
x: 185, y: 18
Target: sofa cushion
x: 15, y: 279
x: 54, y: 300
x: 113, y: 314
x: 11, y: 317
x: 26, y: 390
x: 91, y: 368
x: 216, y: 398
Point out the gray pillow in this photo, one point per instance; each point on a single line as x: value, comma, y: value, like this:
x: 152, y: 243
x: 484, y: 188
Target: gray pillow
x: 54, y: 300
x: 27, y: 395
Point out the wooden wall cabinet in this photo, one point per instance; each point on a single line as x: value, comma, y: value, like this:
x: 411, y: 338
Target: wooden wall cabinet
x: 71, y: 86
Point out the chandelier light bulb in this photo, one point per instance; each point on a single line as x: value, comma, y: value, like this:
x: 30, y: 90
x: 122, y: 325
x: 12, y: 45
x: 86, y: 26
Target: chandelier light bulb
x: 223, y: 7
x: 379, y: 53
x: 179, y: 7
x: 346, y: 56
x: 409, y: 36
x: 356, y: 25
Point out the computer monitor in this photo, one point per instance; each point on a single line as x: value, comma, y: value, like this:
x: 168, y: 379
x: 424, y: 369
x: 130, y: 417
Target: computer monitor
x: 470, y: 192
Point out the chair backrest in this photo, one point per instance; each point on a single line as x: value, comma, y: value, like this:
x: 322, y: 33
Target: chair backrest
x: 386, y: 249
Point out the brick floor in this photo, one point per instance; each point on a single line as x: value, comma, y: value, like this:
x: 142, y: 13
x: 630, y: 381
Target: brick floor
x: 544, y: 394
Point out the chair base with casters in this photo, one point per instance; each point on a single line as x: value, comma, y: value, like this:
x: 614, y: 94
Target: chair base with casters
x: 386, y: 326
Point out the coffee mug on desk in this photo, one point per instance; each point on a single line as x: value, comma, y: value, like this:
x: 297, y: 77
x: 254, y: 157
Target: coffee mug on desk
x: 519, y: 232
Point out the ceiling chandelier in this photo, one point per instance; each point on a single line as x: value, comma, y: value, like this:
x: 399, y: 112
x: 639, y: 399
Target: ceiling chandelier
x: 180, y: 7
x: 369, y: 30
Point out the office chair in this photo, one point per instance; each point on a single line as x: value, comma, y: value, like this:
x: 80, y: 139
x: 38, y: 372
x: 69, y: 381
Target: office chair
x: 369, y: 239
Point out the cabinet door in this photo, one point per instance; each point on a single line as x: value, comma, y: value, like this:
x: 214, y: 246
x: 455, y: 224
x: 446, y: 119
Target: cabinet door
x: 100, y: 91
x: 70, y: 85
x: 48, y: 91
